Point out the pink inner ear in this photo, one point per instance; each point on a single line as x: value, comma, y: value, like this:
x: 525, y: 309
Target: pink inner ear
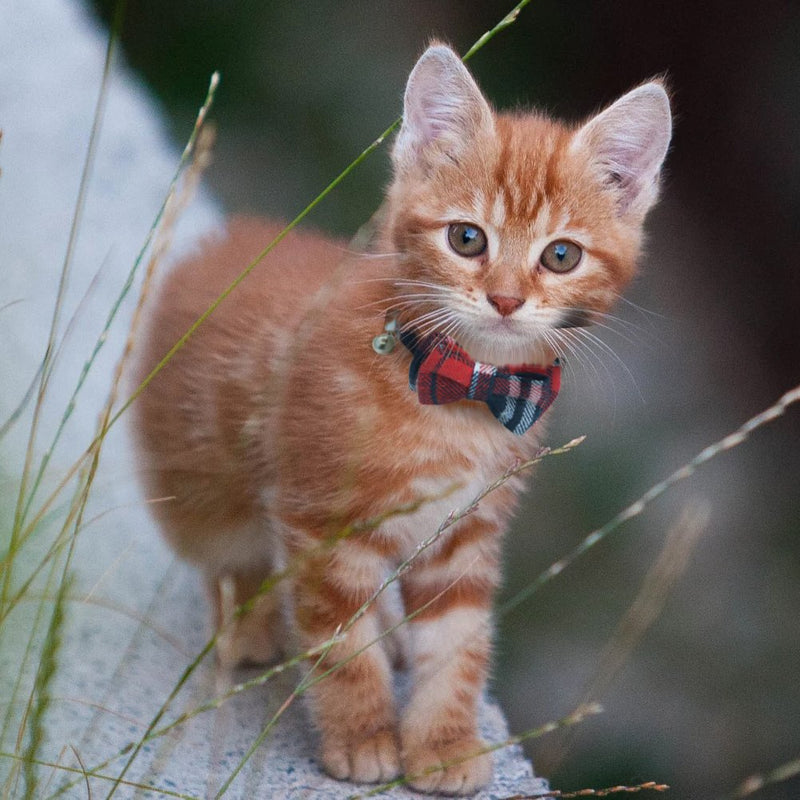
x: 623, y: 164
x: 630, y: 140
x: 432, y: 117
x: 442, y: 102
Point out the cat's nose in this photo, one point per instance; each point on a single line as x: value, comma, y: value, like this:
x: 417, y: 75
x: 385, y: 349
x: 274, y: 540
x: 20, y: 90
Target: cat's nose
x: 505, y: 306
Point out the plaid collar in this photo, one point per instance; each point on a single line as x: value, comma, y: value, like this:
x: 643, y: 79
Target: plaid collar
x: 442, y: 372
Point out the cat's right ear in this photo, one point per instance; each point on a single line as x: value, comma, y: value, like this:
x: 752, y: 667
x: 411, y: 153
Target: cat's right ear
x: 443, y: 112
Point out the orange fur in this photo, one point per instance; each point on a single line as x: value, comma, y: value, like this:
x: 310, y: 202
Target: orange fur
x: 277, y: 427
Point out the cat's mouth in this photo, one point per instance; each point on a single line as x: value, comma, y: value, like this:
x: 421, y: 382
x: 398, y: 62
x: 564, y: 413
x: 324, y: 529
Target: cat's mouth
x: 565, y: 318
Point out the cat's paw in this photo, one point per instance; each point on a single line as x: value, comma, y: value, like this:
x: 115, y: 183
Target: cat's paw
x: 457, y: 767
x: 371, y: 760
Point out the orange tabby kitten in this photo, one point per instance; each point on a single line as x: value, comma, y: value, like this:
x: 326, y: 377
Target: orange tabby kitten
x: 288, y: 418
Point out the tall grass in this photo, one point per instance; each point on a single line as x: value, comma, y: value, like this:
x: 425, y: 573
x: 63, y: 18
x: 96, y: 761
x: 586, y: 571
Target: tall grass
x: 27, y: 698
x: 46, y: 521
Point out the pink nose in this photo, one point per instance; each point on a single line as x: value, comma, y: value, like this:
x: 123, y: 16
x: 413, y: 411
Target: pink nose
x: 505, y: 305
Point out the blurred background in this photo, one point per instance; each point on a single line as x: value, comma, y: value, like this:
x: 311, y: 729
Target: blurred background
x: 710, y: 694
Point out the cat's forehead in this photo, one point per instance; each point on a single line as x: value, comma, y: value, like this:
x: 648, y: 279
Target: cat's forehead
x: 529, y: 179
x: 531, y: 169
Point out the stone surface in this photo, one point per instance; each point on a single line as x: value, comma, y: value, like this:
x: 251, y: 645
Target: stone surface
x: 135, y: 618
x: 126, y: 667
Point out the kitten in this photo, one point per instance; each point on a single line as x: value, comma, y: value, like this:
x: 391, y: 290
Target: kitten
x: 282, y: 424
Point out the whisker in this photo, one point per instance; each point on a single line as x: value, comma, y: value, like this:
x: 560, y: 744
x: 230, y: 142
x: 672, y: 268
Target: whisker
x: 374, y: 279
x: 420, y: 302
x: 435, y: 314
x: 434, y: 323
x: 606, y: 320
x: 645, y: 312
x: 589, y: 351
x: 370, y: 255
x: 405, y: 282
x: 628, y: 337
x: 402, y: 301
x: 626, y: 329
x: 601, y: 351
x: 576, y: 353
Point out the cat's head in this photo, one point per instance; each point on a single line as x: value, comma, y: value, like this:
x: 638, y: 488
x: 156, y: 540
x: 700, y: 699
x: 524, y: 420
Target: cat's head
x: 514, y: 228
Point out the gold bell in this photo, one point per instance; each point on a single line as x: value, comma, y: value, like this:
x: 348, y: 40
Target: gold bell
x: 384, y: 343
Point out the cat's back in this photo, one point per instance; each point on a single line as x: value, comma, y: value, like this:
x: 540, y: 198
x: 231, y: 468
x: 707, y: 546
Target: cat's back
x: 189, y: 420
x: 274, y: 296
x: 281, y: 283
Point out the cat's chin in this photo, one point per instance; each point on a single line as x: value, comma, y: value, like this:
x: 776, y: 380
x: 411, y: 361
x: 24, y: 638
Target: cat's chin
x: 506, y: 345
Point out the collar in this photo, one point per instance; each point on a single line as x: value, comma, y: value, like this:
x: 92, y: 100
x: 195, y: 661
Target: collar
x: 442, y: 372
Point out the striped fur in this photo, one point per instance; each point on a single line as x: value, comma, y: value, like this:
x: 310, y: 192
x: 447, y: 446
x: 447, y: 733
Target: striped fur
x: 287, y: 445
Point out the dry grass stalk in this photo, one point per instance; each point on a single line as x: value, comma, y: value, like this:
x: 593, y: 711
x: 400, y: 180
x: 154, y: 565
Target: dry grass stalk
x: 728, y: 442
x: 662, y: 576
x: 755, y: 783
x: 650, y: 786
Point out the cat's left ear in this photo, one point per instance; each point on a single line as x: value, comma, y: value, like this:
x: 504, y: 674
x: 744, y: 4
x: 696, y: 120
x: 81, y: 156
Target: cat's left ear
x: 628, y: 143
x: 443, y: 110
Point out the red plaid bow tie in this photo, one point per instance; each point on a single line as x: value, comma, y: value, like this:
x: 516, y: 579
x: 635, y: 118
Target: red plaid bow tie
x: 441, y: 372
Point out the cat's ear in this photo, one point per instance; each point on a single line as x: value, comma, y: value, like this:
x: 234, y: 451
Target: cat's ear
x: 443, y: 112
x: 628, y: 142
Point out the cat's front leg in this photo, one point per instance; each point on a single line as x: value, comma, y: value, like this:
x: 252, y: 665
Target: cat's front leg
x: 450, y: 650
x: 350, y: 697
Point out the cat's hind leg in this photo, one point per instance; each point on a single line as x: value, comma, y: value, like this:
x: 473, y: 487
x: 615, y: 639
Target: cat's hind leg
x: 247, y: 615
x: 244, y: 592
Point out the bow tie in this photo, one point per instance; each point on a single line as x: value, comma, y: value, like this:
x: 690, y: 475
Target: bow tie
x: 441, y: 372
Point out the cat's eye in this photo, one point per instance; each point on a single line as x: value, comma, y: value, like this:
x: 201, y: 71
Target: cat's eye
x: 561, y: 256
x: 467, y: 240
